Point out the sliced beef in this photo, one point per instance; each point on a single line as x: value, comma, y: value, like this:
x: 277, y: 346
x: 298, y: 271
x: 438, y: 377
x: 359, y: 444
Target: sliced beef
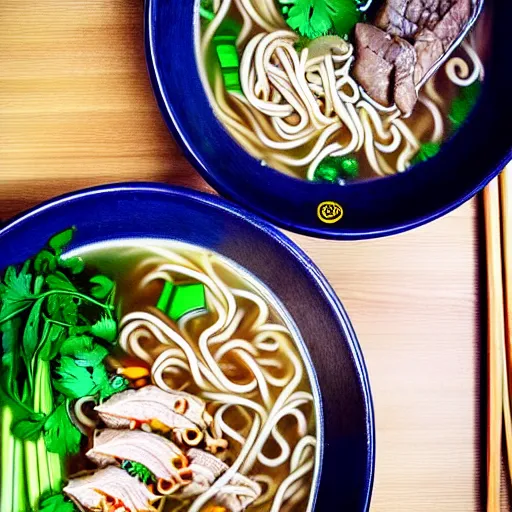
x: 431, y: 25
x: 384, y: 66
x: 432, y: 43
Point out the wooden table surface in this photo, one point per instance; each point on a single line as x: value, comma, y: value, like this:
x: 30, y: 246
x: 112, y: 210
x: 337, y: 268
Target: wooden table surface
x: 76, y: 109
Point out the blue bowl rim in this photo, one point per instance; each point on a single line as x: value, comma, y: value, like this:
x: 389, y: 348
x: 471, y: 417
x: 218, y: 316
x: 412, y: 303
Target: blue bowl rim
x: 312, y: 272
x: 223, y: 186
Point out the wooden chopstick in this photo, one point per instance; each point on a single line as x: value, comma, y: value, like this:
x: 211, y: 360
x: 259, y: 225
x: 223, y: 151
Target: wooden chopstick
x: 496, y: 343
x: 505, y: 184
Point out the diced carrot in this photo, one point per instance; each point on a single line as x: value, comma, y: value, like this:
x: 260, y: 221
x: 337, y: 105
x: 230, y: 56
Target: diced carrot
x: 134, y: 372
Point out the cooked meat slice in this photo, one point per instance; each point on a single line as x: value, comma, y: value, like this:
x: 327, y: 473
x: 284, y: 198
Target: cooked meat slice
x: 162, y: 457
x: 205, y: 469
x: 400, y: 17
x: 248, y: 492
x: 433, y: 41
x: 432, y: 25
x: 384, y: 66
x: 152, y: 405
x: 110, y: 486
x: 375, y: 74
x: 429, y: 49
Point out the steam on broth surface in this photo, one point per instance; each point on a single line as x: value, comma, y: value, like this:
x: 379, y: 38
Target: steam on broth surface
x: 198, y: 400
x: 333, y: 91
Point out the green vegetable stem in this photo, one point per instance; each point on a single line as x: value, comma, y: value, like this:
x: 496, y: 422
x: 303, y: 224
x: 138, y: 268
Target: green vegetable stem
x: 55, y: 328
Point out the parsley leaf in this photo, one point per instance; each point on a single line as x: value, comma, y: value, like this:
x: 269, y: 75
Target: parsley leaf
x: 45, y: 261
x: 52, y: 342
x: 59, y: 281
x: 60, y: 435
x: 30, y: 428
x: 75, y: 265
x: 316, y: 18
x: 427, y: 150
x: 55, y: 503
x: 103, y: 287
x: 59, y: 241
x: 15, y: 292
x: 63, y: 308
x: 105, y: 328
x: 75, y: 381
x: 84, y: 351
x: 76, y: 344
x: 115, y: 385
x: 463, y: 104
x: 139, y: 471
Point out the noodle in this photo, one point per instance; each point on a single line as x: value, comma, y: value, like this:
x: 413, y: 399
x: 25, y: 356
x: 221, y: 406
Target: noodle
x: 243, y: 364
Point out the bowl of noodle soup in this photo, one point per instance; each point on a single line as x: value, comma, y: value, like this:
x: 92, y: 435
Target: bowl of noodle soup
x: 223, y: 320
x: 292, y: 127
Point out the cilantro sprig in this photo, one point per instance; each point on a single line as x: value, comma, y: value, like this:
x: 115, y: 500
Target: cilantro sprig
x: 55, y: 503
x: 139, y: 471
x: 56, y: 327
x: 316, y: 18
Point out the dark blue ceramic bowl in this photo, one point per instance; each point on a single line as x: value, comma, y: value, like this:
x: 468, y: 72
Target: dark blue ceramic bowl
x: 373, y: 208
x: 148, y: 211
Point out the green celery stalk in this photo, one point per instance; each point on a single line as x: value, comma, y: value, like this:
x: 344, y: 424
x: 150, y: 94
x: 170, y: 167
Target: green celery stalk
x: 32, y: 473
x: 42, y: 462
x: 7, y: 476
x: 19, y: 503
x: 53, y: 460
x: 31, y: 466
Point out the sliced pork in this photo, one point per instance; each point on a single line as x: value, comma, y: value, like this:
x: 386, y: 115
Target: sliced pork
x: 205, y: 469
x: 161, y: 410
x: 108, y: 488
x: 162, y: 457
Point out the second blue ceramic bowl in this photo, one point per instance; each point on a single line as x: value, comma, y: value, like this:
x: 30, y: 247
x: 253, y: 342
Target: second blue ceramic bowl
x: 466, y: 163
x: 135, y: 211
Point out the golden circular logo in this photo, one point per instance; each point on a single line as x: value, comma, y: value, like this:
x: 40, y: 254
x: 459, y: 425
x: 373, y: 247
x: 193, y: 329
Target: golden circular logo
x: 329, y: 212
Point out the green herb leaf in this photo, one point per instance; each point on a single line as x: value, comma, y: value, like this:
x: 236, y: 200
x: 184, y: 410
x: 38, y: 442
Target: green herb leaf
x: 463, y: 104
x: 139, y: 471
x: 105, y: 328
x: 60, y: 435
x: 75, y: 381
x: 316, y: 18
x: 52, y: 343
x: 15, y: 292
x: 45, y: 261
x: 75, y: 345
x: 92, y: 358
x: 56, y: 503
x: 10, y: 332
x: 75, y: 265
x: 59, y: 241
x: 113, y: 386
x: 63, y: 308
x: 30, y: 428
x: 103, y: 287
x: 60, y: 281
x: 427, y: 150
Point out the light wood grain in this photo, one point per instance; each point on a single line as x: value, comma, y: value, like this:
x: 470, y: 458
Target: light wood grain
x: 76, y: 109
